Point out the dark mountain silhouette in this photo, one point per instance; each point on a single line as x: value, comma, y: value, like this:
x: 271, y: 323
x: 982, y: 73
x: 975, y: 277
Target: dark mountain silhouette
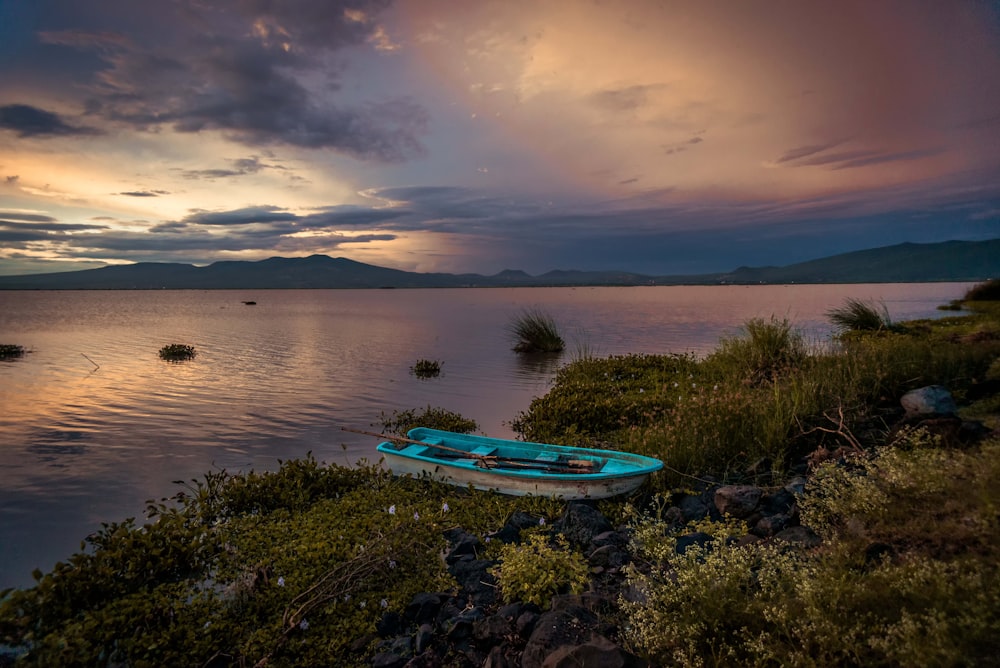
x: 903, y: 263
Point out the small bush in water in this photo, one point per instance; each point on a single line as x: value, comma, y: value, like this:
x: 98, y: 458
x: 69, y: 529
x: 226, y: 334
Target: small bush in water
x: 426, y: 369
x: 535, y: 332
x: 175, y: 352
x: 9, y: 350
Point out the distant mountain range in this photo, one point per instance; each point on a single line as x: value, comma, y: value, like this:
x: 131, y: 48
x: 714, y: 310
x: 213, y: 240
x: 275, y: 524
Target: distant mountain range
x: 904, y: 263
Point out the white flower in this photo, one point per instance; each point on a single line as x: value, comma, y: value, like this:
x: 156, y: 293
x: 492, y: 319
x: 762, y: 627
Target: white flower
x: 416, y: 516
x: 392, y: 510
x: 392, y: 564
x: 207, y: 624
x: 347, y: 597
x: 675, y: 383
x: 444, y: 507
x: 303, y: 625
x: 541, y: 521
x: 641, y: 390
x: 487, y: 539
x: 362, y: 604
x: 715, y: 387
x: 384, y: 603
x: 281, y: 582
x: 694, y: 384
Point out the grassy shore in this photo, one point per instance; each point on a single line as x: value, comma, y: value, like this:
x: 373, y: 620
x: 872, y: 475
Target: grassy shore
x: 291, y: 567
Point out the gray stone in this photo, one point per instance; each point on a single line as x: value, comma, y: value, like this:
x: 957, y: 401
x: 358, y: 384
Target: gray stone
x: 597, y: 653
x: 933, y: 399
x: 799, y: 535
x: 738, y: 500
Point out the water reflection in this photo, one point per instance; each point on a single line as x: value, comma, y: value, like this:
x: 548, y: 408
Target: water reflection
x: 93, y: 423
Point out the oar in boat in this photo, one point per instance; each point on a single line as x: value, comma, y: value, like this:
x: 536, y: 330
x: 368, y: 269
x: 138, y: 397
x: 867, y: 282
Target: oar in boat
x: 573, y: 465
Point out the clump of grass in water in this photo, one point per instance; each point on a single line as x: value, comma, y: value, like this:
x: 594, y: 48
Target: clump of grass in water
x: 858, y: 315
x: 426, y: 368
x: 535, y: 332
x: 177, y: 352
x: 10, y: 350
x: 400, y: 422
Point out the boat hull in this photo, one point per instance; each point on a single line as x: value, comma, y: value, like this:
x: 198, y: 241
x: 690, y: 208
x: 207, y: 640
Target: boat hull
x: 614, y: 473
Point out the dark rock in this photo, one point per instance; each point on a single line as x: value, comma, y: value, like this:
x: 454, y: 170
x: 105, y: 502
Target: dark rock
x: 423, y: 638
x: 799, y: 535
x: 556, y: 628
x: 778, y: 502
x: 616, y: 538
x: 477, y: 584
x: 597, y: 653
x: 699, y: 538
x: 464, y: 546
x: 492, y: 630
x: 737, y: 500
x: 770, y: 525
x: 391, y: 624
x: 525, y: 623
x: 797, y: 485
x: 511, y: 611
x: 693, y: 508
x: 498, y: 658
x: 511, y: 531
x: 388, y: 660
x: 462, y: 626
x: 608, y: 556
x: 423, y: 608
x: 933, y: 399
x: 581, y: 523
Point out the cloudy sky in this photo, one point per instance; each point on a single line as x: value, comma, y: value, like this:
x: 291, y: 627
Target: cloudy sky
x: 669, y: 137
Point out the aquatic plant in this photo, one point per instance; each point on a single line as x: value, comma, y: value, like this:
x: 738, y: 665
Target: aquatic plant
x: 534, y: 331
x: 425, y: 368
x: 177, y: 352
x: 400, y: 422
x: 859, y: 315
x: 10, y: 350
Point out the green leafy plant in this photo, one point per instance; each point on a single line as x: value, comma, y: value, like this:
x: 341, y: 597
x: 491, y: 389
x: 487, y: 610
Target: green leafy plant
x: 10, y: 350
x: 858, y: 315
x: 400, y: 422
x: 534, y: 331
x: 177, y: 352
x: 538, y: 569
x: 424, y: 368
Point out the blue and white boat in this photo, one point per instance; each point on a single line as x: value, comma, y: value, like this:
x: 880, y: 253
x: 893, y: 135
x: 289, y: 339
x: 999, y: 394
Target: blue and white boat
x: 517, y: 468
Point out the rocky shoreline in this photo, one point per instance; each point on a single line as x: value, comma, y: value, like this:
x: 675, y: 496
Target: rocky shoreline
x: 472, y: 627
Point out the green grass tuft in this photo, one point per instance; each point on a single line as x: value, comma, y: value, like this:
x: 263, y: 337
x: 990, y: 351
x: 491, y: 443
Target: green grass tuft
x: 858, y: 315
x: 535, y: 332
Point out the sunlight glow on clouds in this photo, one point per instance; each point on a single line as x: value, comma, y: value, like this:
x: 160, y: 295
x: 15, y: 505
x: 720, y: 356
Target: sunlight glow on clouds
x: 654, y: 136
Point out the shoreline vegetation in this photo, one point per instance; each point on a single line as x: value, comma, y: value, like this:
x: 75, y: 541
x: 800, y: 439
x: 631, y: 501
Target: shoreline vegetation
x: 820, y: 505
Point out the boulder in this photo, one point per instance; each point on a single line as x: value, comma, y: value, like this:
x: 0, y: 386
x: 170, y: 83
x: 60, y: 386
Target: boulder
x: 597, y: 653
x: 930, y: 400
x: 738, y: 501
x: 581, y: 523
x: 555, y: 629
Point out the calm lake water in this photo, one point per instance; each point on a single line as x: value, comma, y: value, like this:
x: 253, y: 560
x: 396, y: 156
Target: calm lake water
x: 93, y: 423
